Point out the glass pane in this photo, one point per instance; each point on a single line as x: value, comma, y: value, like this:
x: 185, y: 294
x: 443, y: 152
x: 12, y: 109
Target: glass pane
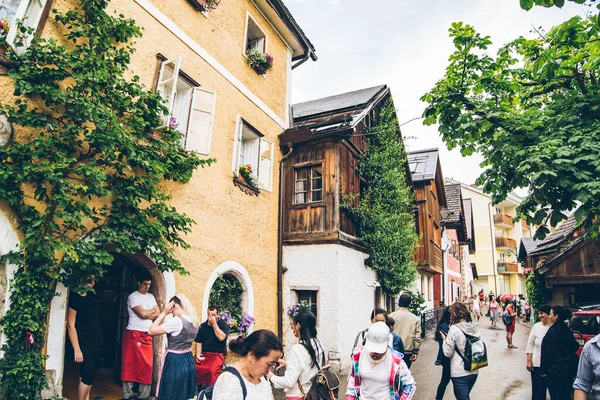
x: 300, y: 186
x: 300, y: 198
x: 168, y: 72
x: 8, y: 14
x: 317, y: 195
x: 301, y: 174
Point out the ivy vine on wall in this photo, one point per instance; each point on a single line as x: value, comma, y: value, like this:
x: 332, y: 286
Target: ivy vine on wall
x: 83, y: 172
x: 226, y: 293
x: 385, y: 213
x: 537, y: 294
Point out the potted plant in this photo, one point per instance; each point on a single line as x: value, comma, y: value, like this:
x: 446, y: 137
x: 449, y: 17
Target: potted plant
x: 205, y: 5
x: 261, y: 62
x: 245, y: 172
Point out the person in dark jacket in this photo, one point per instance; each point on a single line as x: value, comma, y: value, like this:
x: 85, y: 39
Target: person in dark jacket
x: 559, y: 361
x: 442, y: 330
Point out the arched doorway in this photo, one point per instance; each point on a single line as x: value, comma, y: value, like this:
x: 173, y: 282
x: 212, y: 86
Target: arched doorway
x: 112, y: 291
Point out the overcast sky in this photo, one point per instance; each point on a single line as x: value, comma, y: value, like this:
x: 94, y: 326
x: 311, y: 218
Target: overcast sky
x: 404, y: 44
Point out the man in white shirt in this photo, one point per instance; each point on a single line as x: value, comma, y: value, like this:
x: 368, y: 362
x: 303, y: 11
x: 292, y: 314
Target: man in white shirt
x: 136, y: 348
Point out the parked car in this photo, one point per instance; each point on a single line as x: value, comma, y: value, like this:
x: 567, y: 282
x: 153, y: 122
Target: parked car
x: 585, y: 325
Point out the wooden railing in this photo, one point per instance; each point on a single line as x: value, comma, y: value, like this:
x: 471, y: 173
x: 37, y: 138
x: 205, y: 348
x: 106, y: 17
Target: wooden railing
x: 503, y: 220
x: 505, y: 243
x: 508, y: 268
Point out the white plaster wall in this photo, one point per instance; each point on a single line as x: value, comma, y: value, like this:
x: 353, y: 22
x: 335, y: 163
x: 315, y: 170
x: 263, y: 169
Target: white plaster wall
x: 345, y: 301
x: 9, y: 241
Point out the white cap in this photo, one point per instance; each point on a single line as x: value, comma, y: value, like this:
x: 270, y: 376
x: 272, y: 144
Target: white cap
x: 377, y: 338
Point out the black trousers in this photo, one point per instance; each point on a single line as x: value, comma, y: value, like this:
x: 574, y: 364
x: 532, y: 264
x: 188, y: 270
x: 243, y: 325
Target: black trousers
x: 441, y: 389
x: 560, y: 388
x: 406, y: 359
x: 538, y: 385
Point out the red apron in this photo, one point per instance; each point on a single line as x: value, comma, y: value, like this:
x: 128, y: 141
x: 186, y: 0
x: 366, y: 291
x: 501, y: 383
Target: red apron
x: 208, y: 370
x: 137, y: 357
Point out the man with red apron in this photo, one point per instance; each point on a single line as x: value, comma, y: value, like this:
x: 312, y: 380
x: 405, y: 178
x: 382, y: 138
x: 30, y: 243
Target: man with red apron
x: 136, y: 347
x: 211, y: 348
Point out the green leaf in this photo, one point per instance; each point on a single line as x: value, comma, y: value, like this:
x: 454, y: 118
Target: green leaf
x: 526, y: 4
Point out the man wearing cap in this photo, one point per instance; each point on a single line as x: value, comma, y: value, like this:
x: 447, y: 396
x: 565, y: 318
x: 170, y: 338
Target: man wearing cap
x: 372, y: 366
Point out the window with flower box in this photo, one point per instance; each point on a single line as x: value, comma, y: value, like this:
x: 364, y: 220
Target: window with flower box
x: 29, y: 12
x: 256, y: 39
x: 192, y: 106
x: 308, y: 184
x: 251, y: 148
x: 309, y: 297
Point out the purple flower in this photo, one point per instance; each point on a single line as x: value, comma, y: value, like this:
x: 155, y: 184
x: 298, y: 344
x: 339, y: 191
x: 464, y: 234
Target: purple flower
x: 225, y: 315
x: 173, y: 123
x: 246, y: 321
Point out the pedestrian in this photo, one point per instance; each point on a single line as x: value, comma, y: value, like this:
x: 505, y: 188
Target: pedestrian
x: 304, y: 359
x: 558, y: 362
x: 527, y: 311
x: 534, y: 353
x: 510, y: 328
x: 460, y: 326
x: 494, y: 312
x: 211, y: 348
x: 378, y: 372
x: 396, y: 341
x: 476, y: 310
x: 408, y: 327
x: 587, y: 383
x: 442, y: 330
x: 177, y: 379
x: 136, y: 344
x: 481, y: 296
x: 491, y: 296
x: 260, y: 353
x: 85, y: 334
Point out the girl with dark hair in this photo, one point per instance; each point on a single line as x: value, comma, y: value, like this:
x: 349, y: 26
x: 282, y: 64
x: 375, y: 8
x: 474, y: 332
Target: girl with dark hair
x: 304, y: 359
x: 455, y: 342
x: 178, y: 375
x: 559, y: 361
x: 260, y: 352
x: 442, y: 329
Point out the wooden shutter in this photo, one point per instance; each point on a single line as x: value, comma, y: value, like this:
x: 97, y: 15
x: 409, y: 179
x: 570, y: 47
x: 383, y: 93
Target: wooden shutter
x: 237, y: 145
x: 265, y: 169
x: 200, y: 125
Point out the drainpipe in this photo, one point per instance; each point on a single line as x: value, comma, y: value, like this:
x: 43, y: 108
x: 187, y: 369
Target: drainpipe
x: 280, y: 246
x: 494, y: 265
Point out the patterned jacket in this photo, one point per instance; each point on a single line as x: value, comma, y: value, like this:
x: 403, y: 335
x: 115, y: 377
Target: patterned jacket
x: 402, y: 384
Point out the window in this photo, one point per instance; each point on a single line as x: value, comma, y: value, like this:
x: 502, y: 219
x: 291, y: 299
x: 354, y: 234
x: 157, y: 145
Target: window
x: 308, y: 187
x: 309, y: 297
x: 192, y: 106
x: 29, y: 12
x: 251, y: 148
x: 256, y: 39
x: 502, y: 257
x: 498, y: 210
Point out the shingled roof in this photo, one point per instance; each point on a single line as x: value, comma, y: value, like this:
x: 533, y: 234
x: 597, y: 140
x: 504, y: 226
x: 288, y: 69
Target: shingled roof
x: 558, y: 236
x: 338, y: 102
x: 423, y: 164
x: 453, y: 198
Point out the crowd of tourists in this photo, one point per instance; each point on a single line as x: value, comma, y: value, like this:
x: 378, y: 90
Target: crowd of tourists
x: 381, y: 357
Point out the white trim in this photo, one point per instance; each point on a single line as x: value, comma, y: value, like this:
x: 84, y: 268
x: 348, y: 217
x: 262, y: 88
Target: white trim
x: 187, y: 40
x: 240, y: 273
x: 244, y: 48
x: 453, y: 273
x: 271, y: 25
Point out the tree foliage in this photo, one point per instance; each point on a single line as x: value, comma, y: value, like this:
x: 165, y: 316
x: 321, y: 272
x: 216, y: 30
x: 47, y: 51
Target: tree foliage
x: 84, y: 172
x: 532, y: 111
x: 385, y: 210
x: 537, y: 294
x: 528, y: 4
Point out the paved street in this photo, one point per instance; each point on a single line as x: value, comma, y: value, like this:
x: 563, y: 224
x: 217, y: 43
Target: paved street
x: 505, y: 377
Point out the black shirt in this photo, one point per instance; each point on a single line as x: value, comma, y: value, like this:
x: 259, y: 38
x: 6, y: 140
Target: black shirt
x: 210, y: 342
x: 87, y: 321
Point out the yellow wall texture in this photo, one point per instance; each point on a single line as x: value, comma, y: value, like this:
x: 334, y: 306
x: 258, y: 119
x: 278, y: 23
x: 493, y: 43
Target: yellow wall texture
x: 230, y: 225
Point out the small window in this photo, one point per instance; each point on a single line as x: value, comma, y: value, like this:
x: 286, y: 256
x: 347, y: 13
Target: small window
x: 256, y: 39
x: 251, y: 148
x: 498, y: 210
x: 309, y: 297
x: 191, y: 106
x: 308, y: 185
x: 29, y: 12
x: 502, y: 257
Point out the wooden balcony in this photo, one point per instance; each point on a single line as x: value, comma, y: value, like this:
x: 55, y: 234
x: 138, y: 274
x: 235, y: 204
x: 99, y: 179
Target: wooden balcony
x: 508, y: 268
x: 503, y: 221
x: 505, y: 243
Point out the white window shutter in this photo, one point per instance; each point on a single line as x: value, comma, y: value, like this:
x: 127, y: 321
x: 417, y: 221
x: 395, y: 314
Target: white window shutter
x: 201, y: 121
x: 167, y: 81
x: 265, y: 170
x: 237, y: 145
x: 29, y: 12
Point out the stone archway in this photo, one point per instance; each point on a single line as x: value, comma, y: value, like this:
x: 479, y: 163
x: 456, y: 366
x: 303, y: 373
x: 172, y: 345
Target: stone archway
x: 237, y: 270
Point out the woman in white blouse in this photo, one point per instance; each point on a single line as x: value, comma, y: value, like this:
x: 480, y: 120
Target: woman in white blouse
x: 303, y: 360
x: 245, y: 380
x: 534, y: 352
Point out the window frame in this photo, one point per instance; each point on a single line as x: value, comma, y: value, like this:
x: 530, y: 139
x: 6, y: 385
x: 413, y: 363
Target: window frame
x: 317, y: 294
x: 245, y: 45
x: 20, y: 15
x: 309, y: 189
x: 257, y: 171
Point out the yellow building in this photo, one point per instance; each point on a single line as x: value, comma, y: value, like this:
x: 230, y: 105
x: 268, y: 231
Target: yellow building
x: 227, y: 111
x: 496, y: 242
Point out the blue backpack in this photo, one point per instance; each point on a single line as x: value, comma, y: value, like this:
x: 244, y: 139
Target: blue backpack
x: 506, y: 318
x: 207, y: 393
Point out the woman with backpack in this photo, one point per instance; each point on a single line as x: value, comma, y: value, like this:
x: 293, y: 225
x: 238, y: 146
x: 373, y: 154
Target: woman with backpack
x: 508, y: 317
x: 442, y: 329
x: 558, y: 364
x: 304, y: 359
x: 454, y: 346
x: 245, y: 380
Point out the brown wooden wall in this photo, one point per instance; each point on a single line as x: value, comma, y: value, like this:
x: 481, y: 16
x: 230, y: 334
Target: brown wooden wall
x: 429, y: 253
x: 349, y: 185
